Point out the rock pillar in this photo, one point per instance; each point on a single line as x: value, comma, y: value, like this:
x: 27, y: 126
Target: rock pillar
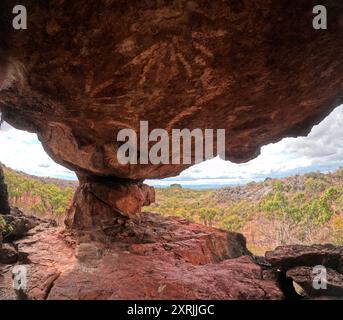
x: 105, y: 206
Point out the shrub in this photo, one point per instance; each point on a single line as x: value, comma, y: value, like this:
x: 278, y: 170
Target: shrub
x: 337, y: 232
x: 4, y: 226
x: 232, y: 223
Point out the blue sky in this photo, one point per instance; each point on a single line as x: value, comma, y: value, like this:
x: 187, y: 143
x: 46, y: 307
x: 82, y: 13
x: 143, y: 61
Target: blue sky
x: 321, y: 150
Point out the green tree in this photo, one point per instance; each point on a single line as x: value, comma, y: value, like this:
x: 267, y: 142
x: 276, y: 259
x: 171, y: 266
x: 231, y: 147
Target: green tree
x: 207, y: 215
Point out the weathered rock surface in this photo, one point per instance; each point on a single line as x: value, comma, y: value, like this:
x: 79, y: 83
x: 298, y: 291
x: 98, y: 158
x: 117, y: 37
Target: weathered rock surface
x: 105, y: 206
x: 83, y: 71
x: 4, y: 206
x: 304, y: 276
x: 297, y: 263
x: 8, y: 254
x: 19, y: 224
x: 287, y: 257
x: 160, y: 258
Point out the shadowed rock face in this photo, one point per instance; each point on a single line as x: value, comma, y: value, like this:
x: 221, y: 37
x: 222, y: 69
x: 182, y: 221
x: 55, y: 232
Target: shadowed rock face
x: 83, y: 71
x: 4, y: 206
x: 304, y: 277
x: 304, y: 265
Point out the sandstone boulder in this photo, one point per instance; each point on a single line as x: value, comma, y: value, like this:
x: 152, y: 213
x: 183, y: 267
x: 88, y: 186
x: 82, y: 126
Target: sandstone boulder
x: 105, y: 206
x: 296, y: 265
x: 304, y: 277
x: 8, y: 254
x: 287, y: 257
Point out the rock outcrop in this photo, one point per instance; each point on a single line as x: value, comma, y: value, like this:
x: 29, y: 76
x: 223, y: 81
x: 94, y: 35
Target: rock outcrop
x: 105, y: 206
x: 20, y: 224
x: 297, y: 263
x: 287, y: 257
x: 304, y: 277
x: 83, y: 71
x: 159, y: 258
x: 15, y: 226
x: 4, y: 206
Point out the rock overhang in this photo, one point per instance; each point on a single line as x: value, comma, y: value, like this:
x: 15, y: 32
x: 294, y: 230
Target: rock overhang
x: 81, y: 72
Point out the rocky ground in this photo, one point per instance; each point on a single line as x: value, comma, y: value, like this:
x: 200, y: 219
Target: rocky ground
x: 157, y: 258
x: 160, y: 258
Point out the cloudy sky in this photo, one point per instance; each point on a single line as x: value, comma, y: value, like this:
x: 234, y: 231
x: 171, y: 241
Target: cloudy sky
x: 321, y: 150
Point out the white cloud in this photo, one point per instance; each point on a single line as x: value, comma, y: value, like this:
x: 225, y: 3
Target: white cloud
x: 22, y: 151
x: 321, y: 150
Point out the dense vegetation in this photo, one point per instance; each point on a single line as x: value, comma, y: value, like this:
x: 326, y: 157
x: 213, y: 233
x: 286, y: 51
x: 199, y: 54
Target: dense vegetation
x: 301, y: 209
x: 36, y: 196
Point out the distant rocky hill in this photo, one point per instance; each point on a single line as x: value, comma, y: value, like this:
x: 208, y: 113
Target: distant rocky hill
x: 62, y: 183
x: 252, y: 192
x: 299, y: 183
